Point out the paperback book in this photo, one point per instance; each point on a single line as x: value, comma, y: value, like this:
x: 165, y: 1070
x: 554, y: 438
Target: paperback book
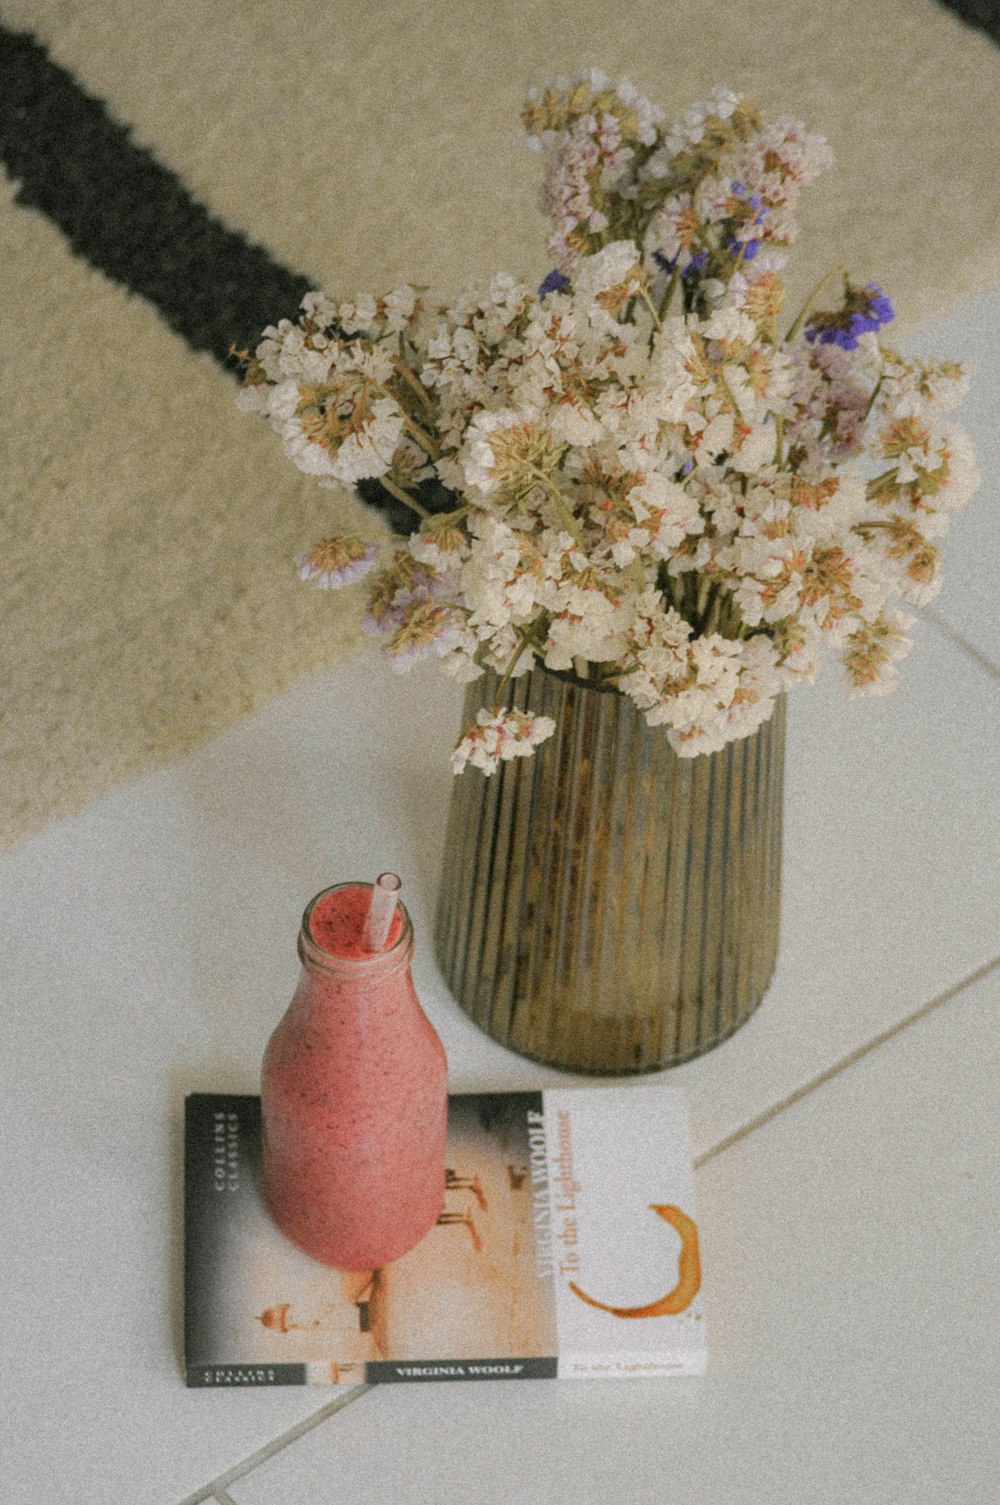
x: 567, y: 1247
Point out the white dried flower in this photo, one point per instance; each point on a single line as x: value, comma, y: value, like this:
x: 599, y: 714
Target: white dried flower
x: 337, y: 561
x: 638, y: 471
x: 498, y: 736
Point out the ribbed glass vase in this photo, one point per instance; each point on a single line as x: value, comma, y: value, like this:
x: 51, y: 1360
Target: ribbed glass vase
x: 607, y: 906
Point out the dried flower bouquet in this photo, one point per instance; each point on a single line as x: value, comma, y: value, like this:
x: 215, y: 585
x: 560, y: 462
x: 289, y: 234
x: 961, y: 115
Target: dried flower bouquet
x: 631, y: 473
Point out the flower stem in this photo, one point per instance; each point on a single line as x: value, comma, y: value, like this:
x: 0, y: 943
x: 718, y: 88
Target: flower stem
x: 871, y: 400
x: 560, y: 501
x: 427, y: 442
x: 404, y: 497
x: 411, y: 380
x: 454, y: 516
x: 416, y: 431
x: 526, y: 640
x: 644, y: 295
x: 729, y: 393
x: 807, y: 305
x: 668, y: 296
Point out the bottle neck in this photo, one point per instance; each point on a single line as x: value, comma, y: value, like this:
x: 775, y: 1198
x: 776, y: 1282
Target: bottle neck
x: 373, y: 968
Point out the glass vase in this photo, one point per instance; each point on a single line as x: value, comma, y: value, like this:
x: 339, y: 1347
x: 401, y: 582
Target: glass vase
x: 607, y: 906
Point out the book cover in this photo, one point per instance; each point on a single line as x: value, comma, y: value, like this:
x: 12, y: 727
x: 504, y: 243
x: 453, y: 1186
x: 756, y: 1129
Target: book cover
x: 567, y: 1247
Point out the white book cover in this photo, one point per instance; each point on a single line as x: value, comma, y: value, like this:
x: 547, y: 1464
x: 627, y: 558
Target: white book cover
x: 623, y: 1241
x: 567, y: 1247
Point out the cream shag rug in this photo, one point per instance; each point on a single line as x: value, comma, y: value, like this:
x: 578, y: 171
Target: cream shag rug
x: 148, y: 596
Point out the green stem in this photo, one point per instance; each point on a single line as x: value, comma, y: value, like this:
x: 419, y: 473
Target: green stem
x: 526, y: 640
x: 709, y: 610
x: 868, y: 525
x: 560, y: 500
x: 644, y: 295
x: 413, y: 381
x: 404, y: 497
x: 427, y: 442
x: 728, y: 391
x: 876, y: 481
x: 441, y: 518
x: 871, y: 400
x: 807, y: 305
x: 668, y: 296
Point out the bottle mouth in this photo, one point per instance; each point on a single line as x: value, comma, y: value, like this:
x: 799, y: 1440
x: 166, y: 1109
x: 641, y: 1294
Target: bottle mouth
x: 355, y: 896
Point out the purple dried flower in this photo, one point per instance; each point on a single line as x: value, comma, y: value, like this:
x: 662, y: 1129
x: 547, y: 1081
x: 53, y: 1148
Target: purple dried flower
x: 744, y: 250
x: 553, y: 283
x: 865, y: 309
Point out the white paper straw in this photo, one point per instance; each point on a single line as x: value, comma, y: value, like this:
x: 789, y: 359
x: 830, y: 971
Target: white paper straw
x: 385, y: 894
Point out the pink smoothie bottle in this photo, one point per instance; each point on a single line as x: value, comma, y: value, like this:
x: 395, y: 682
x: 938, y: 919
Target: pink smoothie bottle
x: 354, y: 1093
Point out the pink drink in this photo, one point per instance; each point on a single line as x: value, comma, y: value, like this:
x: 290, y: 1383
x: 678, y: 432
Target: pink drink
x: 354, y: 1094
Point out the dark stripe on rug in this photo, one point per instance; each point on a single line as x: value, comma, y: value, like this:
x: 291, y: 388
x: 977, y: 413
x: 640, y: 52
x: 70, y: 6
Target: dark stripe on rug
x: 127, y: 214
x: 984, y: 14
x: 132, y: 219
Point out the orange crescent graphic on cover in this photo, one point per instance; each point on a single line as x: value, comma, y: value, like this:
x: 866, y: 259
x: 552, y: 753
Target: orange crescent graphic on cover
x: 688, y: 1273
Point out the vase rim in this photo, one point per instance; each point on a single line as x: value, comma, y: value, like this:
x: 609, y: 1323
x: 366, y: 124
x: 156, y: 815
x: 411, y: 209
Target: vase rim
x: 570, y: 678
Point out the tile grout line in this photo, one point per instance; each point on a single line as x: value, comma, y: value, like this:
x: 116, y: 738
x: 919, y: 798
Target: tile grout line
x: 962, y: 642
x: 849, y: 1060
x: 217, y: 1490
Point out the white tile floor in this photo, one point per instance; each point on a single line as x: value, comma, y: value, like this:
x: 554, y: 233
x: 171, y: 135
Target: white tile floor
x: 850, y: 1242
x: 148, y: 948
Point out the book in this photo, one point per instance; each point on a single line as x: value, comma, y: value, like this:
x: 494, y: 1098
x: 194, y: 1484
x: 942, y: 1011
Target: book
x: 567, y: 1247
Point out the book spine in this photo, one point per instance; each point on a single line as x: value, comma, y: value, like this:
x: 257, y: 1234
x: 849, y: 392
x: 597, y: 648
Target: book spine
x: 386, y: 1372
x: 240, y: 1376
